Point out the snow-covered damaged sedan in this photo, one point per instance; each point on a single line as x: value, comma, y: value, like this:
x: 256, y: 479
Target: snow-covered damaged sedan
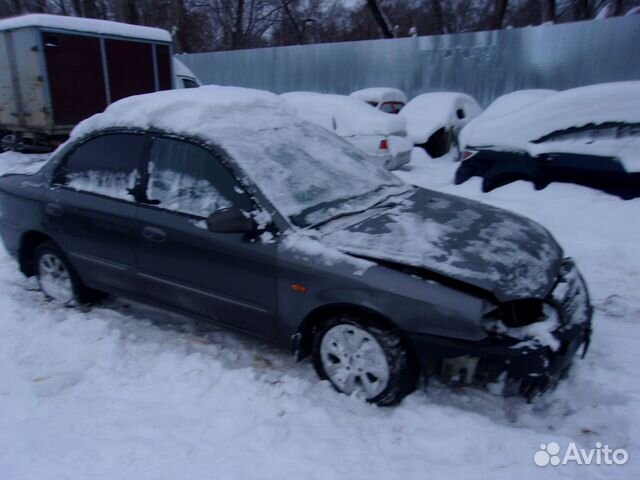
x: 222, y: 205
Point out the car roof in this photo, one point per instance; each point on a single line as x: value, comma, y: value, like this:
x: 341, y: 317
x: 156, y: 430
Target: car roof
x: 380, y: 95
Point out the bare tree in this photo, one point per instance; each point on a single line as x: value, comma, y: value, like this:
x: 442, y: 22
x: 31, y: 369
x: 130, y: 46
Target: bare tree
x: 380, y: 18
x: 548, y: 8
x: 439, y: 17
x: 499, y: 12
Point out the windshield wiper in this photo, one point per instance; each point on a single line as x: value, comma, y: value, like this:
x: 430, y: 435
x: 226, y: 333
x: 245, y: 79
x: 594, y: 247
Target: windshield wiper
x: 378, y: 204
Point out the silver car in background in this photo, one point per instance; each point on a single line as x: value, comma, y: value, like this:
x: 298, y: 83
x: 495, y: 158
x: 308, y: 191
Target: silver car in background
x: 379, y: 134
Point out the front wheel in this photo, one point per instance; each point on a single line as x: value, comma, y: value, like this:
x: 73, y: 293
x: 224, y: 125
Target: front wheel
x: 356, y: 356
x: 57, y: 278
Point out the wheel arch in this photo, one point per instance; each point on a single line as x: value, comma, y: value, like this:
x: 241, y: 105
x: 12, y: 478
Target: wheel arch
x: 303, y: 338
x: 28, y: 244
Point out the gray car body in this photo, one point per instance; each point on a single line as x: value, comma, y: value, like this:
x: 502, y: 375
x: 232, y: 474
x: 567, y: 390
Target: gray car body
x: 432, y: 299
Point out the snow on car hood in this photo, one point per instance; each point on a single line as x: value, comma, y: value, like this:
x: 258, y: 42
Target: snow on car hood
x: 345, y: 116
x: 500, y: 252
x: 594, y: 105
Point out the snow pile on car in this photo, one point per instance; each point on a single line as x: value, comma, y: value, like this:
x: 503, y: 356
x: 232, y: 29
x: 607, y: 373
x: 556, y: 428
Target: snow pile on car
x: 429, y: 112
x: 595, y: 108
x: 296, y: 164
x: 344, y: 115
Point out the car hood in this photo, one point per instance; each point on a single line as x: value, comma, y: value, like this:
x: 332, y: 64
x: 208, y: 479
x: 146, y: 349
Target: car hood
x: 497, y: 251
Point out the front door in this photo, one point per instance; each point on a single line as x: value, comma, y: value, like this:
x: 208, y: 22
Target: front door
x: 227, y: 277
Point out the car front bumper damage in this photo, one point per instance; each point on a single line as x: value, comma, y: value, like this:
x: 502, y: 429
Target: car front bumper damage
x: 514, y: 365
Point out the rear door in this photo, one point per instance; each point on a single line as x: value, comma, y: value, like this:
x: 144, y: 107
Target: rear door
x: 227, y: 277
x: 91, y: 209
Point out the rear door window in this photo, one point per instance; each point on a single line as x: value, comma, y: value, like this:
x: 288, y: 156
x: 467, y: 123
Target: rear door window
x: 106, y: 165
x: 187, y: 178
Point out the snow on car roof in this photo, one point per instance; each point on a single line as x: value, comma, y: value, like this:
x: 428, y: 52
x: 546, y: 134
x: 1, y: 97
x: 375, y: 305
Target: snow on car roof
x: 429, y: 112
x: 348, y: 115
x: 617, y: 102
x: 87, y: 25
x: 514, y: 101
x: 186, y: 111
x: 296, y: 164
x: 380, y: 95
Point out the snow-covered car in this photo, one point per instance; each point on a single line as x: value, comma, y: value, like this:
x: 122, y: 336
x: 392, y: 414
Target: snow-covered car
x: 220, y: 204
x: 588, y: 135
x: 379, y: 134
x: 388, y: 100
x: 435, y: 119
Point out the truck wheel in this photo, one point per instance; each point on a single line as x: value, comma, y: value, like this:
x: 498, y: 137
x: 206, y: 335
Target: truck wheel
x: 57, y: 278
x: 356, y: 356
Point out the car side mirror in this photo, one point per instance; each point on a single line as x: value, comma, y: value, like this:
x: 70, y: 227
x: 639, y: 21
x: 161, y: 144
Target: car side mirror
x: 230, y: 220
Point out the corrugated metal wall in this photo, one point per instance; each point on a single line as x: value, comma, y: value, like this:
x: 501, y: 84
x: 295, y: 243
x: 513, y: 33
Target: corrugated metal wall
x: 483, y: 64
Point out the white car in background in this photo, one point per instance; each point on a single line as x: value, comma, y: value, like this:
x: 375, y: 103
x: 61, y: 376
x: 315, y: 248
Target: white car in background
x: 379, y: 134
x: 435, y: 119
x: 388, y: 100
x: 184, y: 77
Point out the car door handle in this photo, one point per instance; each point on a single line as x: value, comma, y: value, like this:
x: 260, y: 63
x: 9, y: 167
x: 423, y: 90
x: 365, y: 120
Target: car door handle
x: 54, y: 209
x: 154, y: 234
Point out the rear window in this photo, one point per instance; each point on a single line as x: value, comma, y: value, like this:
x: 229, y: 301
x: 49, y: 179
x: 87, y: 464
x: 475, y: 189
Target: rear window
x: 391, y: 107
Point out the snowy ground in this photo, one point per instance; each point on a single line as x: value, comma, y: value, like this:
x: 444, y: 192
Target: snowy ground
x: 126, y: 392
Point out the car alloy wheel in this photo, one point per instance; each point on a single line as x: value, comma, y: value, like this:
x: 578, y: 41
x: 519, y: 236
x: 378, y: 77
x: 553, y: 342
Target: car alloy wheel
x: 363, y: 354
x: 353, y: 360
x: 55, y: 279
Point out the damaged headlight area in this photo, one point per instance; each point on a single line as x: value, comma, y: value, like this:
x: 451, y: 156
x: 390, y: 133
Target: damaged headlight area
x: 531, y: 342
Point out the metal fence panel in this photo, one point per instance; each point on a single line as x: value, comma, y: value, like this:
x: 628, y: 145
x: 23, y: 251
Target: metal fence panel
x: 483, y: 64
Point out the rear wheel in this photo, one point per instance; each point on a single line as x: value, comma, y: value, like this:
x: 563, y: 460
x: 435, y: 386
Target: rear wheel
x: 356, y: 356
x: 57, y: 278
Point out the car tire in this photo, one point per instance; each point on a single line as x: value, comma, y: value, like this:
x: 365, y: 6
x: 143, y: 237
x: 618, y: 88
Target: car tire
x: 357, y: 355
x: 58, y: 280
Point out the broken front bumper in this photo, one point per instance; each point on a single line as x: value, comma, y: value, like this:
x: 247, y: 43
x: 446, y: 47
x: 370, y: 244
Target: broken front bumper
x: 516, y: 365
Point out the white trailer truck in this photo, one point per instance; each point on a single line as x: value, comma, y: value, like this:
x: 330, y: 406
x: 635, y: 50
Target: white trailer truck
x: 56, y: 71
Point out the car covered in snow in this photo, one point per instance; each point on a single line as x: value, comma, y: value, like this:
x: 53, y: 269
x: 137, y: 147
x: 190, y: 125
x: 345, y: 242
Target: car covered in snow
x: 381, y: 135
x: 587, y: 135
x: 221, y: 204
x: 389, y: 100
x: 435, y: 119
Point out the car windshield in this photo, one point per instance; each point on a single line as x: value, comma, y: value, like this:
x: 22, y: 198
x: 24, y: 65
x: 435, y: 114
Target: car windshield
x: 309, y: 174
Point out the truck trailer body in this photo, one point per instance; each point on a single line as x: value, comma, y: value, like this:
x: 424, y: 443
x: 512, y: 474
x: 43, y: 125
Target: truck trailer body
x: 56, y: 71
